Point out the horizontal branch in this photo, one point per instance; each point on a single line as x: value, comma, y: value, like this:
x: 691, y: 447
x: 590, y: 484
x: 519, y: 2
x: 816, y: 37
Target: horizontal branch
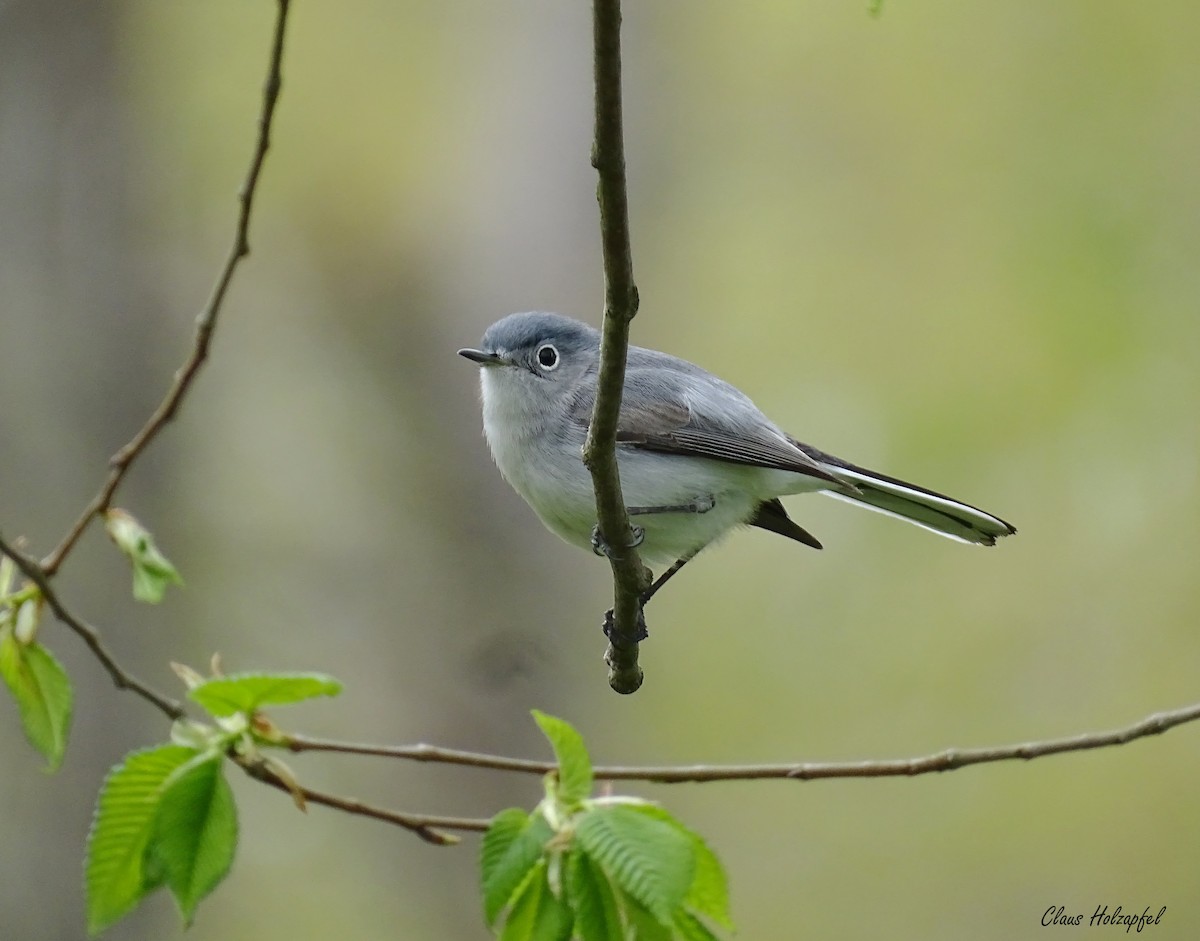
x: 949, y: 760
x: 206, y: 322
x: 427, y: 826
x: 121, y: 677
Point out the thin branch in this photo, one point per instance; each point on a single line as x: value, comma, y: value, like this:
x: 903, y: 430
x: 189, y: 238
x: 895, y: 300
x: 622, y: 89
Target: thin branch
x: 206, y: 322
x: 121, y: 677
x: 949, y: 760
x: 630, y: 576
x: 428, y: 827
x: 421, y: 752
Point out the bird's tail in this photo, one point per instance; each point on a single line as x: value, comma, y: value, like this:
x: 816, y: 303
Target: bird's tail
x: 926, y: 508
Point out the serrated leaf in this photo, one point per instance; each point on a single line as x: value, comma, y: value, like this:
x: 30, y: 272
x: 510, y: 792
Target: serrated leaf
x: 125, y: 810
x: 591, y: 896
x: 152, y: 571
x: 537, y: 913
x: 194, y: 832
x: 574, y: 765
x: 648, y: 858
x: 42, y: 690
x: 709, y: 892
x: 500, y: 835
x: 246, y: 692
x: 691, y: 928
x: 511, y: 847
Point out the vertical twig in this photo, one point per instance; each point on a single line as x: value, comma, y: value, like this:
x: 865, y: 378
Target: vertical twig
x: 206, y: 322
x: 630, y: 576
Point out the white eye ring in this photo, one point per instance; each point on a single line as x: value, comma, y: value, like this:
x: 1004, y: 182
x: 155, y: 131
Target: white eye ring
x: 547, y: 357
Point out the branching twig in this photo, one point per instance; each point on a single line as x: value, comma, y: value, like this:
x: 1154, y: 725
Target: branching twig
x: 206, y: 322
x: 630, y: 577
x: 122, y: 678
x: 949, y: 760
x: 429, y: 828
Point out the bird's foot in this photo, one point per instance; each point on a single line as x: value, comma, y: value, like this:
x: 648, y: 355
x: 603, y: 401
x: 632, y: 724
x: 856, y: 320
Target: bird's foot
x: 620, y: 640
x: 600, y: 547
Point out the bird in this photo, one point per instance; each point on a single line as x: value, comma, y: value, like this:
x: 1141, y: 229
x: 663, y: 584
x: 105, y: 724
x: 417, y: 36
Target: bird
x: 696, y: 457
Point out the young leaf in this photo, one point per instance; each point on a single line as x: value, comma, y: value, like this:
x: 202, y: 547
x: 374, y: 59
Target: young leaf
x: 511, y: 847
x: 8, y: 572
x: 152, y: 571
x: 246, y: 692
x: 709, y: 891
x: 537, y: 913
x: 648, y: 858
x: 506, y: 827
x: 43, y: 693
x: 194, y: 831
x: 591, y: 897
x: 125, y: 811
x: 574, y: 765
x: 150, y: 586
x: 28, y: 617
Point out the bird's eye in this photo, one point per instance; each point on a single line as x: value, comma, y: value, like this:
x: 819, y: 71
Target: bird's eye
x: 547, y: 357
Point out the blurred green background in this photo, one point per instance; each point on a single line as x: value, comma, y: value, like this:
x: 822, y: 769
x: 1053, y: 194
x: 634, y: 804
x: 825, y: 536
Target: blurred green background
x: 957, y: 243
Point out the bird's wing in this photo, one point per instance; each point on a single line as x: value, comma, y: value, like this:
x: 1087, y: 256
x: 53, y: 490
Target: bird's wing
x: 694, y: 414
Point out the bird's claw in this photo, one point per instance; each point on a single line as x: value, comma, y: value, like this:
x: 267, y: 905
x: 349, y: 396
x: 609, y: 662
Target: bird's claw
x: 620, y: 640
x: 600, y: 547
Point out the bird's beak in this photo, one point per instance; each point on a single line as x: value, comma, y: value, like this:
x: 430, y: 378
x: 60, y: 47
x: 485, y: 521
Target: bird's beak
x: 482, y: 358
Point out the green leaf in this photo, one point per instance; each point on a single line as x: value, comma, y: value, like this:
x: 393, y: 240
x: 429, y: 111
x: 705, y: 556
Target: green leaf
x: 150, y: 587
x: 194, y: 831
x: 691, y: 928
x: 650, y: 859
x: 505, y: 829
x: 537, y: 913
x: 246, y: 692
x: 152, y: 571
x: 519, y: 924
x: 574, y: 765
x: 42, y: 690
x: 511, y: 847
x: 590, y: 894
x: 121, y: 829
x: 709, y: 891
x: 646, y: 927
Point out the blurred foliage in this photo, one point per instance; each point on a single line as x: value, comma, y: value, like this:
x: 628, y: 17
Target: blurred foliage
x: 954, y: 242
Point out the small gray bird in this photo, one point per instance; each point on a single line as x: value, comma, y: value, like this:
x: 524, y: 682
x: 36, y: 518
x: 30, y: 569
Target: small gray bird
x: 696, y: 456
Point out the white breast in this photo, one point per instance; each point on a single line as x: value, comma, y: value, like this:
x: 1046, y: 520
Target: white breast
x: 539, y: 454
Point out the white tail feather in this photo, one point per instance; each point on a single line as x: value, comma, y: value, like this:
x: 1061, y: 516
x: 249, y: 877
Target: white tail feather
x: 929, y: 510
